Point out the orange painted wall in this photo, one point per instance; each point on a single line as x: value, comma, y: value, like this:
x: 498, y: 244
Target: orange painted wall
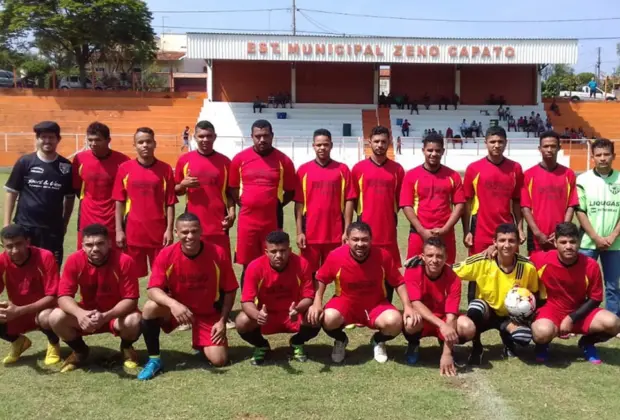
x: 416, y: 79
x: 339, y: 83
x: 242, y: 81
x: 515, y: 82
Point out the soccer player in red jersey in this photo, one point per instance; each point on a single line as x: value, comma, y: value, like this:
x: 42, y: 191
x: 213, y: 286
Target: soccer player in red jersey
x: 549, y: 195
x: 324, y: 202
x: 30, y: 277
x: 94, y: 171
x: 378, y: 182
x: 109, y: 290
x: 360, y: 271
x: 574, y: 288
x: 145, y: 199
x: 262, y: 181
x: 435, y: 293
x: 277, y: 293
x: 185, y: 286
x: 202, y: 175
x: 432, y: 199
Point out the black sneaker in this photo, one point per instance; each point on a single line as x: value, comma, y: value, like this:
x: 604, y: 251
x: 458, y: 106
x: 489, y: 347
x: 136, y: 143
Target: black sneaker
x: 475, y: 357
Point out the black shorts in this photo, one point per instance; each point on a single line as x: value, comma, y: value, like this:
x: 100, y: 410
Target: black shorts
x: 49, y: 239
x: 494, y: 322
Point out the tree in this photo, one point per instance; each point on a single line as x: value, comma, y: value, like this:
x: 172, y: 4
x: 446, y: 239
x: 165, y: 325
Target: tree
x: 559, y: 77
x: 582, y: 79
x: 82, y: 29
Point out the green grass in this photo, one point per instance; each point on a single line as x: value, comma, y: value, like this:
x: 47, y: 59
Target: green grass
x: 359, y: 389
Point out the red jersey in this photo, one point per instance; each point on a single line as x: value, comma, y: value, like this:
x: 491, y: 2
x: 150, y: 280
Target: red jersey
x: 548, y: 194
x: 93, y: 180
x: 262, y: 181
x: 323, y: 192
x: 277, y: 290
x: 432, y: 195
x: 567, y: 287
x: 441, y: 296
x: 362, y: 283
x: 101, y: 287
x: 491, y: 188
x: 209, y: 200
x: 378, y: 191
x: 146, y: 191
x: 31, y: 281
x: 195, y: 281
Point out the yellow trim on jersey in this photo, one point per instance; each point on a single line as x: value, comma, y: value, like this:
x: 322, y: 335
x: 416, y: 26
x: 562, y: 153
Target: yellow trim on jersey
x: 128, y: 202
x: 224, y: 197
x: 169, y: 271
x: 260, y: 284
x: 240, y: 182
x: 304, y: 188
x: 530, y: 187
x: 281, y: 185
x: 83, y: 186
x: 4, y: 278
x: 475, y: 205
x: 416, y: 198
x: 383, y: 282
x: 343, y: 185
x: 217, y: 282
x: 298, y: 281
x: 568, y: 191
x: 360, y: 200
x: 337, y: 287
x: 165, y: 184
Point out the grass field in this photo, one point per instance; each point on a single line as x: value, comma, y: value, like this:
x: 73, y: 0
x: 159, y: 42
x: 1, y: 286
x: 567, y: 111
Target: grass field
x: 517, y: 389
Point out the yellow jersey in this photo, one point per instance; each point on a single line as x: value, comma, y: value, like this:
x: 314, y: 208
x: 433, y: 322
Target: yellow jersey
x: 492, y: 283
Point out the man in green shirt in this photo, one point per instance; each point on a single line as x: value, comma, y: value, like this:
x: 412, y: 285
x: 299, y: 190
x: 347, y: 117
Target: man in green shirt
x: 599, y: 216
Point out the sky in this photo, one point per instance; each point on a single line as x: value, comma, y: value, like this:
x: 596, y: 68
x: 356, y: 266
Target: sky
x: 167, y: 14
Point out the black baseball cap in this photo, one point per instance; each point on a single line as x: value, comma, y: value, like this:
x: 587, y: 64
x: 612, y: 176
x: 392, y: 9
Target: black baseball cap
x: 47, y: 127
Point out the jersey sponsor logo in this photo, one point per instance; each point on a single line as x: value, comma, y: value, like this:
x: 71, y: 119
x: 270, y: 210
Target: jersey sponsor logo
x: 614, y: 188
x: 36, y: 170
x: 65, y: 168
x: 45, y: 184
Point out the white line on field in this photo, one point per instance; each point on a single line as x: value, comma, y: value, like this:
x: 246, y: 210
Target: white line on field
x: 487, y: 399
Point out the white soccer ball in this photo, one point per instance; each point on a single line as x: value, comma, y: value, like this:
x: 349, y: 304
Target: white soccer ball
x: 520, y: 302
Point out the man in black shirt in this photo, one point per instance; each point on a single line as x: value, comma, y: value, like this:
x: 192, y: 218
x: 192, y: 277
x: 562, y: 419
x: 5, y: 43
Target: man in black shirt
x: 43, y: 183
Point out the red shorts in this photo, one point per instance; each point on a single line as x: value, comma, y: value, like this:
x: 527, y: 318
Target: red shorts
x: 250, y: 243
x: 557, y: 315
x: 223, y: 241
x: 22, y: 325
x: 201, y: 330
x: 480, y: 246
x: 280, y: 323
x: 317, y: 253
x: 430, y: 330
x: 416, y: 245
x: 108, y: 328
x: 112, y: 236
x: 358, y: 314
x: 143, y: 258
x: 393, y: 250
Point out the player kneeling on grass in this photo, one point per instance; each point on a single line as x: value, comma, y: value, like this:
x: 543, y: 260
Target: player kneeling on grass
x: 359, y: 271
x: 574, y: 288
x: 30, y: 276
x: 108, y: 285
x: 280, y: 284
x: 435, y: 293
x: 185, y: 286
x: 494, y: 278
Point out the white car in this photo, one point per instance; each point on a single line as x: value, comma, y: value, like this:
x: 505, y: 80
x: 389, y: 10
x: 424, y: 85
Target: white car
x: 73, y: 82
x: 584, y: 93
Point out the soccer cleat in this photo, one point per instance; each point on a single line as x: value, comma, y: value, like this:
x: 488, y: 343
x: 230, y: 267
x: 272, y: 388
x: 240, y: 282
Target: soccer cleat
x: 298, y: 352
x: 184, y: 327
x: 52, y: 356
x: 509, y: 352
x: 350, y: 326
x: 130, y: 358
x: 475, y: 357
x: 339, y: 351
x: 18, y: 347
x: 542, y: 353
x: 230, y: 324
x: 379, y: 351
x: 591, y: 354
x: 412, y: 355
x: 258, y: 357
x: 73, y: 362
x: 151, y: 369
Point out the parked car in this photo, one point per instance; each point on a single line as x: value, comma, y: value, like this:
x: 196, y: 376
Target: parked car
x: 6, y: 78
x: 73, y: 82
x: 584, y: 93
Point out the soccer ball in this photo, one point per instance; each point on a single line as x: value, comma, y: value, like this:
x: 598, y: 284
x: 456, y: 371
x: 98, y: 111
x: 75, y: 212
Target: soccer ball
x: 520, y: 303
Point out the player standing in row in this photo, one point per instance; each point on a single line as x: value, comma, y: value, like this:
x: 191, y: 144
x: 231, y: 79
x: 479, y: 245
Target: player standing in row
x: 262, y: 181
x: 599, y: 216
x: 324, y: 202
x: 277, y: 293
x: 185, y: 286
x: 202, y: 175
x: 360, y: 272
x: 145, y: 199
x: 30, y: 276
x: 94, y: 172
x: 43, y: 183
x: 548, y: 196
x: 574, y: 293
x: 378, y: 181
x: 109, y: 291
x: 432, y: 199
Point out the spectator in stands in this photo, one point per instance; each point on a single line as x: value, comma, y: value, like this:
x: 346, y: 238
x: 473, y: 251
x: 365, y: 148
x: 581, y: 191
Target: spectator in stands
x: 440, y: 133
x: 455, y: 101
x: 425, y: 132
x: 433, y: 131
x: 555, y: 108
x: 593, y: 87
x: 507, y: 113
x: 271, y: 100
x: 405, y: 128
x: 444, y: 101
x: 548, y: 125
x: 464, y: 128
x: 426, y: 100
x: 399, y: 145
x: 522, y: 124
x: 382, y: 100
x: 573, y: 134
x: 479, y: 129
x: 501, y: 112
x: 512, y: 123
x: 258, y: 104
x: 390, y: 100
x: 566, y: 132
x: 473, y: 128
x: 406, y: 101
x: 414, y: 107
x: 185, y: 138
x: 581, y: 133
x: 449, y: 133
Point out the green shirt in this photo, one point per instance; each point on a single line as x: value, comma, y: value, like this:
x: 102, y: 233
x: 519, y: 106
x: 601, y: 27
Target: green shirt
x: 599, y: 199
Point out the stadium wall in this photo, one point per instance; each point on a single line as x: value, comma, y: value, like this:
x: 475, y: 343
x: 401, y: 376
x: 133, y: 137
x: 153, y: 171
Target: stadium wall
x: 436, y: 79
x: 337, y: 83
x: 242, y: 81
x: 517, y: 83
